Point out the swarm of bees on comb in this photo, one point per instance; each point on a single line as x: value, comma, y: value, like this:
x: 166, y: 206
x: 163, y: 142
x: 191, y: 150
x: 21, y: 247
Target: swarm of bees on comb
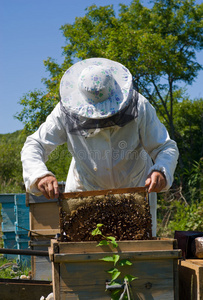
x: 124, y: 216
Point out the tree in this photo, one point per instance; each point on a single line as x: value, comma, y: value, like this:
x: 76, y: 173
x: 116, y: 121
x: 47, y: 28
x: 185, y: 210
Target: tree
x: 158, y: 46
x: 37, y: 106
x: 188, y: 120
x: 10, y: 163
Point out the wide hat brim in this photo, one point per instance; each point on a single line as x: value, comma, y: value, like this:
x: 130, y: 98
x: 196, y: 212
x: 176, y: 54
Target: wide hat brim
x: 74, y: 101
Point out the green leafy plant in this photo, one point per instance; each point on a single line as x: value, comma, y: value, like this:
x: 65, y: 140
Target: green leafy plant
x: 120, y: 287
x: 10, y: 269
x: 187, y: 217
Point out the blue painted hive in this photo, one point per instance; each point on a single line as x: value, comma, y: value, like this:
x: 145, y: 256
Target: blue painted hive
x: 7, y: 224
x: 15, y: 224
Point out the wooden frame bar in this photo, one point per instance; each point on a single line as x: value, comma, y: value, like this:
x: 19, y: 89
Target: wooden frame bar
x: 64, y: 196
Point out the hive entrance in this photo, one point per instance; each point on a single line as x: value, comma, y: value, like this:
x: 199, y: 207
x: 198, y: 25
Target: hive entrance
x: 125, y: 216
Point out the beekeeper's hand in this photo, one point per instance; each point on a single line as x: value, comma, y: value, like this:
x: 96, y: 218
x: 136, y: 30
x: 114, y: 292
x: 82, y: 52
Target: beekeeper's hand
x: 155, y: 182
x: 48, y: 185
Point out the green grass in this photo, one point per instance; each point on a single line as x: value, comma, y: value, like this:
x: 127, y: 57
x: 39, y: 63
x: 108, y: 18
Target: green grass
x: 10, y: 269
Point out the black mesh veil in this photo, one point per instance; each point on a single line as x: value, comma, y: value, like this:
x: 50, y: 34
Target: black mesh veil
x: 78, y: 125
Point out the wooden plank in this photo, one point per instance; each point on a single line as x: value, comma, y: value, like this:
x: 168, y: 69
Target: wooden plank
x: 7, y: 198
x: 55, y: 246
x: 83, y: 275
x: 23, y: 290
x: 43, y: 243
x: 44, y: 225
x: 138, y: 245
x: 156, y: 255
x: 55, y: 273
x: 198, y: 262
x: 33, y: 268
x: 31, y: 199
x: 64, y: 196
x: 176, y: 279
x: 46, y: 233
x: 41, y: 266
x: 191, y: 279
x: 162, y: 290
x: 78, y: 274
x: 56, y: 281
x: 82, y: 280
x: 44, y: 216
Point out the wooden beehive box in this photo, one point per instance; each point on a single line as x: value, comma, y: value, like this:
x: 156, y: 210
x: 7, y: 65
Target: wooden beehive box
x: 44, y: 225
x: 78, y: 272
x: 191, y: 279
x: 21, y: 289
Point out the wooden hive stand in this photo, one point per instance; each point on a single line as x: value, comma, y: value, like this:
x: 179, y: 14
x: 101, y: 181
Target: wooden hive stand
x: 79, y: 273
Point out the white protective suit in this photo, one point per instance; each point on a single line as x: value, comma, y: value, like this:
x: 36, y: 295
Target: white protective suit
x: 114, y: 157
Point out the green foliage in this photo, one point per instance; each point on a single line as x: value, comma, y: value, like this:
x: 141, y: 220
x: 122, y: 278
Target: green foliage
x: 11, y: 180
x: 178, y: 210
x: 37, y: 106
x: 187, y: 217
x: 10, y: 163
x: 188, y: 118
x: 180, y: 216
x: 7, y: 269
x: 107, y: 240
x: 195, y: 181
x: 11, y: 186
x: 115, y: 259
x: 157, y: 45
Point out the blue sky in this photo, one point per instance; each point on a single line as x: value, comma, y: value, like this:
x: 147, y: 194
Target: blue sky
x: 29, y: 34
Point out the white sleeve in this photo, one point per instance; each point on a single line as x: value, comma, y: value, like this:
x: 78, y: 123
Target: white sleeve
x: 39, y: 145
x: 157, y: 143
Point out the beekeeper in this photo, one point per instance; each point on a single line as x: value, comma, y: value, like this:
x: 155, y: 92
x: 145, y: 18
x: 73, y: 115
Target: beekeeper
x: 111, y: 130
